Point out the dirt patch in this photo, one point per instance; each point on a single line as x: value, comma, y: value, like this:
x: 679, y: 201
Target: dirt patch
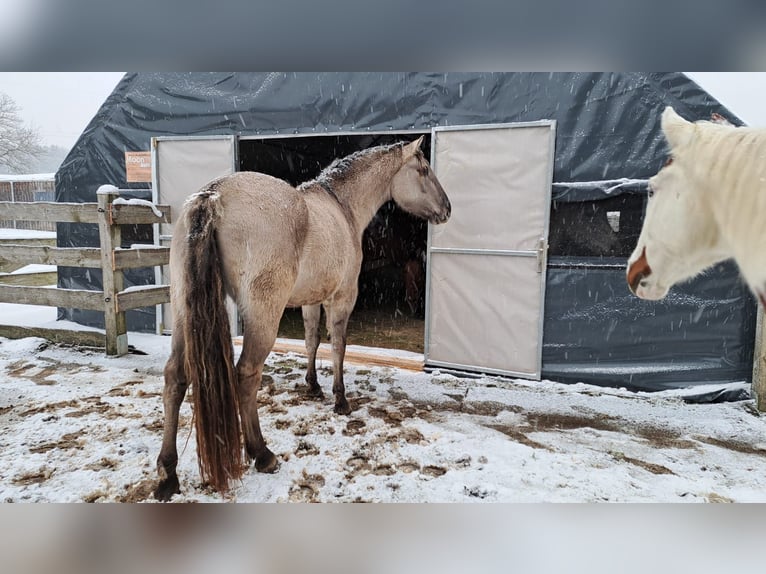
x: 516, y: 435
x: 355, y: 427
x: 18, y: 368
x: 558, y: 421
x: 33, y: 477
x: 155, y: 425
x: 663, y: 438
x: 717, y: 498
x: 357, y: 464
x: 434, y: 471
x: 734, y: 445
x: 50, y: 407
x: 139, y: 492
x: 384, y: 470
x: 408, y: 466
x: 393, y: 416
x: 409, y: 435
x: 96, y: 407
x: 651, y: 467
x: 306, y: 488
x: 305, y: 448
x: 67, y: 442
x: 103, y: 464
x: 485, y: 408
x: 42, y: 376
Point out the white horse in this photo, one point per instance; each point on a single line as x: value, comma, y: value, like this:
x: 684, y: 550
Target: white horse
x: 707, y: 204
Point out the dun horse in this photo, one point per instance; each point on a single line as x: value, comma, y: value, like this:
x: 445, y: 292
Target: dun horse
x: 270, y: 246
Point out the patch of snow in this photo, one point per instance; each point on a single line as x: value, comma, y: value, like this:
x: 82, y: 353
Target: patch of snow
x: 144, y: 202
x: 28, y: 177
x: 6, y: 233
x: 33, y: 268
x: 81, y: 426
x: 135, y: 288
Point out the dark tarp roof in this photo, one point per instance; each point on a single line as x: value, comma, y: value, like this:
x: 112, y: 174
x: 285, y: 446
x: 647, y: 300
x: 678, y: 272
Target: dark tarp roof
x: 607, y: 123
x: 607, y: 129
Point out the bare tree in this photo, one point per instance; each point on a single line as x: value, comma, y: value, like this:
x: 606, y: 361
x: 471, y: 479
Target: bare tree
x: 19, y: 144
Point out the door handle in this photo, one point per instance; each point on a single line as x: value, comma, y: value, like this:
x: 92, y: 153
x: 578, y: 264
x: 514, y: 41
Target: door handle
x: 542, y: 254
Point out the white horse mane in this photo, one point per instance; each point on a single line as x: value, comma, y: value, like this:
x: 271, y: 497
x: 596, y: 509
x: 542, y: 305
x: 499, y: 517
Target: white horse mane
x: 709, y: 204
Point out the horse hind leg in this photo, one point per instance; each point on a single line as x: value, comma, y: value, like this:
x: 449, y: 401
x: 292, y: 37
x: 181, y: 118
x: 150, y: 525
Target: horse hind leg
x: 311, y: 316
x: 261, y: 323
x: 172, y: 397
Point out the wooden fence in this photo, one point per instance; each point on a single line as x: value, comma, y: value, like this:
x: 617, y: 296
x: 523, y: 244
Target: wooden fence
x: 109, y: 213
x: 23, y: 189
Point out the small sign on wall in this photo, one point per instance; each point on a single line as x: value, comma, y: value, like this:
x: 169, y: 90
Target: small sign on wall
x: 138, y: 166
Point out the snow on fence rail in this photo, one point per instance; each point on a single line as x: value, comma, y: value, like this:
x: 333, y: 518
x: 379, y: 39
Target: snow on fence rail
x: 109, y: 213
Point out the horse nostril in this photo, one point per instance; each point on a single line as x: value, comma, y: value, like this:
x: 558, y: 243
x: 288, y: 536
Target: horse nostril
x: 636, y: 281
x: 638, y: 271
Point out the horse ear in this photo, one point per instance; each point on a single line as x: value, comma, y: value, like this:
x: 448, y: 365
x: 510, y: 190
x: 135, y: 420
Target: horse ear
x: 413, y: 147
x: 677, y: 130
x: 717, y: 118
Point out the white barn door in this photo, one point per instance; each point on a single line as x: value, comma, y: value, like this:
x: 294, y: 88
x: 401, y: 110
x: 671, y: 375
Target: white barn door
x: 486, y: 265
x: 180, y: 167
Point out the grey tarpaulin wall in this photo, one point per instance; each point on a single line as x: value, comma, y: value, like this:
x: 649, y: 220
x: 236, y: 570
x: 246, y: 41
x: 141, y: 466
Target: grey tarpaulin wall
x: 607, y: 129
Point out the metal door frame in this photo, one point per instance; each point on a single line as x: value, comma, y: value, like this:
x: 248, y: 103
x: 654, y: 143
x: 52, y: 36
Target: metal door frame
x: 541, y: 252
x: 158, y: 238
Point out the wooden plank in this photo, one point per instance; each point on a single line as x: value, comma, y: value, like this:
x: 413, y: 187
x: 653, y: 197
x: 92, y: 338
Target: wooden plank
x: 31, y: 279
x: 28, y: 241
x: 67, y: 337
x: 68, y: 256
x: 75, y: 298
x: 49, y: 211
x: 356, y: 357
x: 125, y: 214
x: 145, y: 297
x: 141, y: 257
x: 759, y: 363
x: 110, y: 236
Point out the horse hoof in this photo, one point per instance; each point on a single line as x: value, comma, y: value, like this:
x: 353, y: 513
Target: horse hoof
x: 342, y: 408
x: 167, y: 488
x: 315, y: 392
x: 266, y: 462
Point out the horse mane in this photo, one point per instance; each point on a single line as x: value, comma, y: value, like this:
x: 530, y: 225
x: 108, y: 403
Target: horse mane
x: 345, y: 168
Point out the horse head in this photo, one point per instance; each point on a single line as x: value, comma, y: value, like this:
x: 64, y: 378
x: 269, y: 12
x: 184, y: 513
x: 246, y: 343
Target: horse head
x: 416, y: 189
x: 679, y: 237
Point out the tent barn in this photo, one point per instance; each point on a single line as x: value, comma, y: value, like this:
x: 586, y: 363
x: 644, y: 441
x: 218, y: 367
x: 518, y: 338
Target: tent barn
x: 547, y: 175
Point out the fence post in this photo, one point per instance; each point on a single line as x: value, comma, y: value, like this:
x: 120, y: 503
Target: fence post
x: 13, y: 200
x: 759, y: 363
x: 111, y: 238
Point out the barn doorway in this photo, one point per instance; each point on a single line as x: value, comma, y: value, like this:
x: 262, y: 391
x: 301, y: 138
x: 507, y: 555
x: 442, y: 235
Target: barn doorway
x: 390, y: 309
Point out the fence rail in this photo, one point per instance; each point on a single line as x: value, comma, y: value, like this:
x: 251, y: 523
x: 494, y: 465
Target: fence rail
x: 109, y: 213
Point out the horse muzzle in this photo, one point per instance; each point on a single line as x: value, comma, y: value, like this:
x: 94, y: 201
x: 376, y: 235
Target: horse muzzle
x: 442, y: 216
x: 637, y: 272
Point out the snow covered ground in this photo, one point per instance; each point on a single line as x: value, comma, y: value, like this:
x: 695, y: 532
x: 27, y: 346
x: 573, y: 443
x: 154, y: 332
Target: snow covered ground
x: 78, y: 426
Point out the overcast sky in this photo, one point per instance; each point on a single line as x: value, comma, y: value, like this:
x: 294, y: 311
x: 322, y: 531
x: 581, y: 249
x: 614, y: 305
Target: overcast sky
x: 60, y: 104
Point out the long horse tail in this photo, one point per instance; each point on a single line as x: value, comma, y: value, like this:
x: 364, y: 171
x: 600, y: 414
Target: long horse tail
x: 208, y: 351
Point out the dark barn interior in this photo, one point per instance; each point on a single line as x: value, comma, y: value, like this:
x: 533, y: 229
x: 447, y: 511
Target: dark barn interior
x: 391, y: 303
